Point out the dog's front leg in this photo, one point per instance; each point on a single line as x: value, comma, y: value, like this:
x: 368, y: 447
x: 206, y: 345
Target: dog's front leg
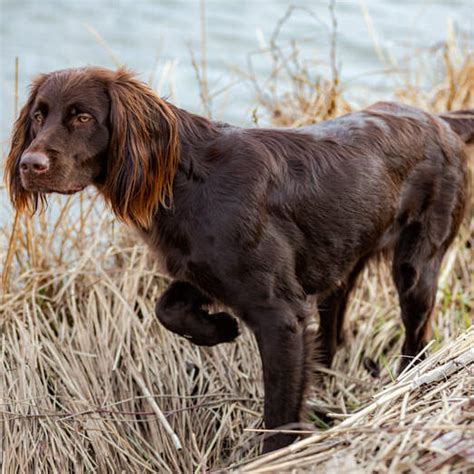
x: 179, y: 309
x: 280, y: 337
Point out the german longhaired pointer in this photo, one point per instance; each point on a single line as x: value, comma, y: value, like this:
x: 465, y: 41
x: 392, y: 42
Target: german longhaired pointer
x: 256, y: 220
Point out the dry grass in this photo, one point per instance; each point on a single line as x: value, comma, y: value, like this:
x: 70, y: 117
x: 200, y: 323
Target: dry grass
x: 87, y: 373
x: 89, y: 381
x: 442, y: 79
x: 420, y: 423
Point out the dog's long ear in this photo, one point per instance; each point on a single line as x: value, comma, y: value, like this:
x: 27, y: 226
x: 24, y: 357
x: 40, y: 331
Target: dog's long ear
x: 143, y: 151
x: 21, y: 139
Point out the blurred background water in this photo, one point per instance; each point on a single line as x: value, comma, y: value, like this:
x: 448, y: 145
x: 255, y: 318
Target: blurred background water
x: 155, y: 39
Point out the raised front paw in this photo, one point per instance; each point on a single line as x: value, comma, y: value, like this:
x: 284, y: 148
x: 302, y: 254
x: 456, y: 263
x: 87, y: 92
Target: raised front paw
x: 214, y: 329
x: 227, y: 326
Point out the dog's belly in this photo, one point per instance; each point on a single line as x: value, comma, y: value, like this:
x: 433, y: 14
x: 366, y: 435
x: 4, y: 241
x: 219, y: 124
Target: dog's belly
x: 326, y: 259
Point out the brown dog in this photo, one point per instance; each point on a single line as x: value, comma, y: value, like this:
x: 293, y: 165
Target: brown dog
x: 255, y: 219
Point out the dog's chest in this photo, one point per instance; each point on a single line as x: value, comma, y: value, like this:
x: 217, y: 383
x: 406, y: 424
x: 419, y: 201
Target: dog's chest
x: 171, y: 250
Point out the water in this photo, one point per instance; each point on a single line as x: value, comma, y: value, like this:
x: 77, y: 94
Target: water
x: 154, y: 38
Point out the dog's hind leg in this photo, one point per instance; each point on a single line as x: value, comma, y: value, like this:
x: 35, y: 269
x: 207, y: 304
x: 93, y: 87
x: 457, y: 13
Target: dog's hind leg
x: 425, y: 235
x: 179, y: 309
x: 332, y: 310
x: 415, y: 273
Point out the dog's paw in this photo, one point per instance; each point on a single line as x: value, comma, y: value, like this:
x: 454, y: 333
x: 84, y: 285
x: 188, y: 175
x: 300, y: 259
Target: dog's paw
x: 227, y: 327
x: 212, y: 329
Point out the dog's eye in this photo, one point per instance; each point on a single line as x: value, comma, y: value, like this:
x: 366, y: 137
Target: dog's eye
x: 38, y: 116
x: 83, y: 118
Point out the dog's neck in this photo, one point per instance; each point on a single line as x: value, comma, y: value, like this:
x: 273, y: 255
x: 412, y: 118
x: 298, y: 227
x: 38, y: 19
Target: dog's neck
x: 196, y: 135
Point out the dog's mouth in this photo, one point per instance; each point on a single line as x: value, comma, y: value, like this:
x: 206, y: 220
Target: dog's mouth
x: 45, y: 188
x: 75, y: 190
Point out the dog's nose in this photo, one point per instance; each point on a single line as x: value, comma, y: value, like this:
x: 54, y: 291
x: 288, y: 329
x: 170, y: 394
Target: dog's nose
x: 34, y: 162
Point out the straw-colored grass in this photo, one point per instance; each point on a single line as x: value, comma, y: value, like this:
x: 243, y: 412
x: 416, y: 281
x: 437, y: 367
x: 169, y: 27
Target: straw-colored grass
x: 90, y: 382
x: 420, y: 423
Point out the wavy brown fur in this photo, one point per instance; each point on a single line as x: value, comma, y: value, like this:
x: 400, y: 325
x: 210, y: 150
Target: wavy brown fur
x: 145, y: 146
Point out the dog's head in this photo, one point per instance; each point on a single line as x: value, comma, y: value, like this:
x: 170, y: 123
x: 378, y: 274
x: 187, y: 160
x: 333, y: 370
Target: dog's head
x: 92, y: 126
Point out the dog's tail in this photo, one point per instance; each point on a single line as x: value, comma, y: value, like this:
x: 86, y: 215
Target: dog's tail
x: 462, y: 123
